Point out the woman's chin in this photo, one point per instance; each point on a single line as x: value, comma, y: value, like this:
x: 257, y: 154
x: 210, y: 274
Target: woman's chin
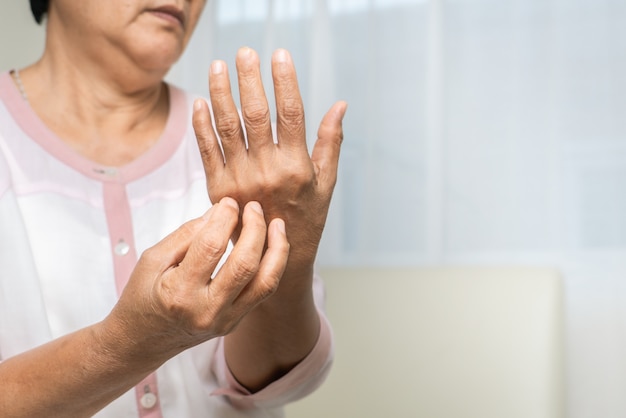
x: 158, y: 51
x: 160, y: 61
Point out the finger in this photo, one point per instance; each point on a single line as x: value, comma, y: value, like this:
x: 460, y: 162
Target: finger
x: 325, y: 155
x: 272, y: 267
x: 243, y: 262
x: 210, y: 243
x: 171, y: 250
x: 210, y: 150
x: 290, y: 126
x: 227, y: 120
x: 254, y: 106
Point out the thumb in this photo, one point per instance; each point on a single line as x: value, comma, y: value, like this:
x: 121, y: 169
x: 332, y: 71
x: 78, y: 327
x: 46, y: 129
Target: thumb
x: 171, y: 250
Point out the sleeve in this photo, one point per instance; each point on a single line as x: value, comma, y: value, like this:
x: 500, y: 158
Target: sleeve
x: 302, y: 380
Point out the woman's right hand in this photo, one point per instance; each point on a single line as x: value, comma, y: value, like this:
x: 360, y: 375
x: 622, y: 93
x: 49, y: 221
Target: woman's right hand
x: 172, y: 303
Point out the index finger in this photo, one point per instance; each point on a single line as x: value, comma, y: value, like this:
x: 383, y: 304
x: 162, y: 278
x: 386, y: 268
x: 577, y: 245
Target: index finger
x: 210, y: 243
x: 243, y: 261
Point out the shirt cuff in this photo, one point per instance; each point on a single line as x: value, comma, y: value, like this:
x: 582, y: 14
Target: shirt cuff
x: 302, y: 380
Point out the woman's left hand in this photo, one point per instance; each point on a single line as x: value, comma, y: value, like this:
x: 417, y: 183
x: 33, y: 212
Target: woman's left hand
x: 288, y: 182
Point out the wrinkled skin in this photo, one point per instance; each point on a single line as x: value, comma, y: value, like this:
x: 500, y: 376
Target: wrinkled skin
x: 171, y: 298
x: 287, y: 181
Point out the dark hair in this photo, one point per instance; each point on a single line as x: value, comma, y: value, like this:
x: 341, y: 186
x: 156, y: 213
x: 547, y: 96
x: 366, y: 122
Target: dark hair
x: 39, y: 9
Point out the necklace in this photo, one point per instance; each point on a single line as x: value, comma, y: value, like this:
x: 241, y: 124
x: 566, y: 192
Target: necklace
x: 20, y: 86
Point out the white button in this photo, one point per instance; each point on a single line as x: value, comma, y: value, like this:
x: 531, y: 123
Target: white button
x: 148, y: 400
x: 122, y: 248
x: 107, y: 171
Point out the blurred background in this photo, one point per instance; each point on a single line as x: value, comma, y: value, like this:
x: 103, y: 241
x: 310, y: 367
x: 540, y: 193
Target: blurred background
x: 479, y: 132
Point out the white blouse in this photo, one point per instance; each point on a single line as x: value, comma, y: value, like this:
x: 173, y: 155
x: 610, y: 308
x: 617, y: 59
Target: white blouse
x: 71, y: 232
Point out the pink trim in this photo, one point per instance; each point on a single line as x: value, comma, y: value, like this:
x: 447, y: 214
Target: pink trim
x: 140, y: 390
x: 33, y: 126
x: 119, y: 220
x: 304, y: 378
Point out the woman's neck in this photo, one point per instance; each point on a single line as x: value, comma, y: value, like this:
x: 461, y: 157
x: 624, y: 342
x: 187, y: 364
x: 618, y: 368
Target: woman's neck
x: 110, y: 117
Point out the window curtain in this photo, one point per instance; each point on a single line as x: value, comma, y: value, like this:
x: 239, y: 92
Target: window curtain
x: 478, y: 132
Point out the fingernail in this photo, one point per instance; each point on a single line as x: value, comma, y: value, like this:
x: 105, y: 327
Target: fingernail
x: 217, y: 67
x: 197, y: 105
x: 280, y: 224
x: 244, y: 52
x: 282, y: 55
x: 256, y: 206
x: 229, y: 201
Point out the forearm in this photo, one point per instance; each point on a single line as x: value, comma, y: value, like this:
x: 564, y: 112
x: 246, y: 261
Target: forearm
x: 76, y: 375
x: 275, y: 336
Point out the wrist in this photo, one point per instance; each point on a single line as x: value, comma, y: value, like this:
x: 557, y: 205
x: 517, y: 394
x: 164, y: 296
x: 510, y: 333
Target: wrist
x: 124, y: 347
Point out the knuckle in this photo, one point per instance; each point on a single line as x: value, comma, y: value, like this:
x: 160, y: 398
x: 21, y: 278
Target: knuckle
x: 300, y: 180
x: 301, y: 176
x: 244, y: 267
x: 174, y: 307
x: 211, y: 248
x: 173, y: 303
x: 292, y: 110
x: 293, y: 174
x: 228, y: 126
x: 187, y: 230
x: 256, y: 113
x: 150, y: 256
x: 268, y: 287
x: 201, y: 324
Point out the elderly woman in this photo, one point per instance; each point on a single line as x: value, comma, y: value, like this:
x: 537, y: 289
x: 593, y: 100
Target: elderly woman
x: 99, y: 163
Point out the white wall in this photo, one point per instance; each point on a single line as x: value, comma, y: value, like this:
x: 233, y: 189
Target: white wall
x: 21, y: 39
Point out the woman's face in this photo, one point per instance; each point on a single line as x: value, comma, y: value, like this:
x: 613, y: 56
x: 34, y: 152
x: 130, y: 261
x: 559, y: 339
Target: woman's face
x: 152, y: 33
